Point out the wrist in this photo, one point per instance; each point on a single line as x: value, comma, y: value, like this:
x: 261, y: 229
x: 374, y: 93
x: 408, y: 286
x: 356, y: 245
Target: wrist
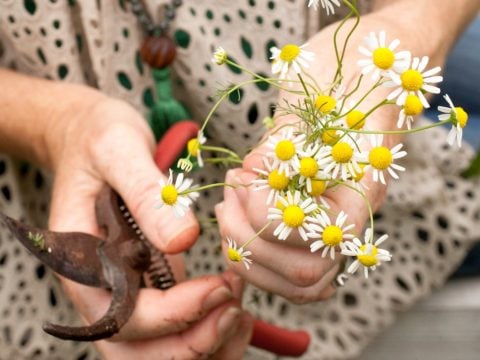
x: 67, y: 122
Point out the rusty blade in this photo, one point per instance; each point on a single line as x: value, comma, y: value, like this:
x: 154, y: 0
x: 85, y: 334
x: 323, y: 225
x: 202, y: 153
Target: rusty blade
x: 70, y: 254
x: 125, y: 284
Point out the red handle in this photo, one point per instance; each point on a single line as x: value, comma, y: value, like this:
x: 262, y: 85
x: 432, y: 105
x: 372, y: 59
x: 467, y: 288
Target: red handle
x: 278, y: 340
x: 172, y: 144
x: 265, y: 336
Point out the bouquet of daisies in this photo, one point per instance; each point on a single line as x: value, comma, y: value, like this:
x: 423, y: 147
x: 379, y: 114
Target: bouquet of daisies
x: 328, y: 147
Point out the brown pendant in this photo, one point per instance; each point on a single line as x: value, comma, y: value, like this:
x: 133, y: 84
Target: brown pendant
x: 158, y: 51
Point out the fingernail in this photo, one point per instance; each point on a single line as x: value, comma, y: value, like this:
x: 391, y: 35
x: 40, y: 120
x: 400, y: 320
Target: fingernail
x: 217, y: 297
x: 229, y: 321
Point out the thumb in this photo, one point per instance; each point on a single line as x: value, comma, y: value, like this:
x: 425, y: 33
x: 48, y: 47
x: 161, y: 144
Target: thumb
x: 136, y: 180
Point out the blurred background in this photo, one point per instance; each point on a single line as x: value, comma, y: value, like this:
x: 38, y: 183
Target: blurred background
x: 446, y: 326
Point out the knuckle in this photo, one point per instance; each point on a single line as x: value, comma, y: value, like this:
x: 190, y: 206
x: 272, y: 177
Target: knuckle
x: 300, y: 296
x: 304, y: 275
x: 326, y: 295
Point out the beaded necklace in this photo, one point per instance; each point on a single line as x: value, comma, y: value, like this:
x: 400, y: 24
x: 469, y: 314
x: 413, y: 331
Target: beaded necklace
x: 158, y: 50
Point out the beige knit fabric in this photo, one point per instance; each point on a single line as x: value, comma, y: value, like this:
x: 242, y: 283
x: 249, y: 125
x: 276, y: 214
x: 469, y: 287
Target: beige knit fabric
x: 431, y: 213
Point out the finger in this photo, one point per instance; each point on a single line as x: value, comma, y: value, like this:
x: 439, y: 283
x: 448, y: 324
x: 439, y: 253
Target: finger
x: 200, y: 341
x: 355, y: 205
x: 254, y: 203
x: 73, y: 202
x: 136, y: 180
x: 301, y: 267
x: 269, y: 281
x: 235, y: 283
x: 234, y: 348
x: 156, y: 312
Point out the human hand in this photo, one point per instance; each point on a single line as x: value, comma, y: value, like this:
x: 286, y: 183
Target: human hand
x: 99, y: 140
x: 288, y: 267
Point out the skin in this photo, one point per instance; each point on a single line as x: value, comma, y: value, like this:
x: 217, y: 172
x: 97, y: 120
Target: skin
x: 83, y: 139
x: 301, y: 276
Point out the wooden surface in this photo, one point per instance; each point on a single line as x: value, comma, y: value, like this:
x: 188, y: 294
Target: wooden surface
x: 444, y: 327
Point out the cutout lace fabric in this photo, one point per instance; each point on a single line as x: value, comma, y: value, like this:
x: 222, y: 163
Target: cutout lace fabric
x: 432, y: 214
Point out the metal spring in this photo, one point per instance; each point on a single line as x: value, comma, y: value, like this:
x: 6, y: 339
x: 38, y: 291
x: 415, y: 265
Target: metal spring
x: 159, y: 272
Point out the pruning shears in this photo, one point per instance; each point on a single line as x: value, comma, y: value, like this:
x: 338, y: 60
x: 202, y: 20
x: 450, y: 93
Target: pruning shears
x: 119, y: 261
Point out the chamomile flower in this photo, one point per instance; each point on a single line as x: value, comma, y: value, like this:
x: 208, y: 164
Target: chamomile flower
x: 288, y: 57
x: 368, y: 254
x: 326, y: 4
x: 381, y: 158
x: 325, y: 104
x: 285, y: 148
x: 330, y: 235
x: 294, y: 214
x: 274, y: 180
x: 381, y: 58
x: 307, y: 167
x: 318, y: 189
x: 415, y: 80
x: 330, y: 103
x: 356, y: 180
x: 220, y: 56
x: 354, y: 118
x: 341, y: 159
x: 237, y: 254
x: 412, y: 107
x: 172, y: 194
x: 330, y: 136
x: 193, y: 147
x: 459, y: 119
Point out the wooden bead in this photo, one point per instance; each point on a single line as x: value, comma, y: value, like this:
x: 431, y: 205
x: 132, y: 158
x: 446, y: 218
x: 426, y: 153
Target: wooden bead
x: 158, y: 51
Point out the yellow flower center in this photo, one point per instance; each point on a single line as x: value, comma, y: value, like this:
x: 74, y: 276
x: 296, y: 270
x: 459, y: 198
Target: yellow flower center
x: 285, y: 150
x: 412, y: 80
x: 289, y: 52
x: 192, y: 146
x: 462, y: 116
x: 383, y: 58
x: 342, y: 152
x: 293, y: 216
x: 357, y: 176
x: 234, y: 255
x: 325, y: 103
x: 368, y: 260
x: 332, y: 235
x: 279, y: 205
x: 329, y: 137
x: 318, y: 187
x: 277, y: 180
x: 308, y: 167
x: 355, y: 119
x: 169, y: 194
x: 380, y: 157
x: 413, y: 105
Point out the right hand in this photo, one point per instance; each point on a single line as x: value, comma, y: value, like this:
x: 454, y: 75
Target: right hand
x: 102, y: 141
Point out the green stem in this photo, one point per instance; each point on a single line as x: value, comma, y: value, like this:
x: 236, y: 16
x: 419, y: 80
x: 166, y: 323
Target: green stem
x: 271, y: 81
x: 257, y: 234
x: 353, y: 11
x: 220, y: 149
x: 392, y: 132
x: 357, y: 86
x: 364, y: 197
x: 223, y: 160
x: 223, y: 97
x: 303, y: 84
x: 206, y: 187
